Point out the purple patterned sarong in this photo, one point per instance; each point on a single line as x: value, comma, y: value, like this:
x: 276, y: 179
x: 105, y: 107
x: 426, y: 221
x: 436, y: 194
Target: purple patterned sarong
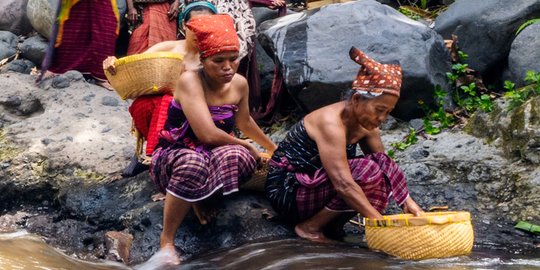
x: 298, y: 186
x: 191, y: 170
x: 194, y: 176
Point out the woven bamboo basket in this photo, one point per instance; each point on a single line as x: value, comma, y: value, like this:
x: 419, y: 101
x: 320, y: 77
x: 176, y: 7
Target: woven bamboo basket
x: 433, y: 235
x: 258, y: 178
x: 145, y: 74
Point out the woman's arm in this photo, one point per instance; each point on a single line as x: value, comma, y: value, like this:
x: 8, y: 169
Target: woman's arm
x: 189, y: 93
x: 372, y: 142
x: 245, y: 122
x: 331, y: 142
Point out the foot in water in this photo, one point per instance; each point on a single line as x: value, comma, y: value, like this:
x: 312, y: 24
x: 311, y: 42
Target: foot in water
x: 134, y: 168
x: 165, y: 258
x: 312, y: 235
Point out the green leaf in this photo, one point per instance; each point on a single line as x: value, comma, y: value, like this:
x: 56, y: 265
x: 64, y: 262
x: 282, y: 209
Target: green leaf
x: 509, y: 86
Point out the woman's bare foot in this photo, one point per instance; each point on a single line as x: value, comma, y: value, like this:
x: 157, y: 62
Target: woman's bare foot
x: 316, y: 236
x: 49, y: 74
x: 163, y: 259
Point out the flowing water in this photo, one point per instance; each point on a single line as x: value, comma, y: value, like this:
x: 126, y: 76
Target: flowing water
x: 25, y: 251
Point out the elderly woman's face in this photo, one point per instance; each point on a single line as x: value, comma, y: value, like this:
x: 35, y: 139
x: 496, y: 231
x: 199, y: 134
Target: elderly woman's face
x: 371, y: 113
x: 221, y: 67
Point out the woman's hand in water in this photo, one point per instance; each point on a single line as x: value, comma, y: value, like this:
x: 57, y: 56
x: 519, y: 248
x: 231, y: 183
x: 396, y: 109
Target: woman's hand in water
x: 108, y: 64
x: 410, y: 207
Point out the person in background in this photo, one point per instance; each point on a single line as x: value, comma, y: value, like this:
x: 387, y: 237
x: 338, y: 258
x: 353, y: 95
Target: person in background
x: 150, y: 112
x: 240, y: 11
x: 315, y: 177
x: 154, y: 21
x: 198, y: 157
x: 84, y: 34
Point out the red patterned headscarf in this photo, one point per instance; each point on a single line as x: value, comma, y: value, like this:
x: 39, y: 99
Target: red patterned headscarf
x: 215, y: 34
x: 375, y: 78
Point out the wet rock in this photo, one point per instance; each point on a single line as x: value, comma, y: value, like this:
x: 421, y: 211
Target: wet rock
x: 523, y: 54
x: 517, y: 131
x: 13, y: 17
x: 118, y: 245
x: 8, y: 44
x: 74, y: 75
x: 416, y: 124
x: 316, y: 74
x: 485, y: 30
x: 60, y: 81
x: 20, y: 65
x: 390, y: 123
x: 34, y: 49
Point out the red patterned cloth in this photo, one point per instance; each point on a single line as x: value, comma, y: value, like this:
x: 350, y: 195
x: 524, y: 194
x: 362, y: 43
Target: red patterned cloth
x: 156, y: 28
x: 149, y: 114
x: 194, y: 176
x: 374, y: 77
x: 88, y: 37
x: 215, y: 34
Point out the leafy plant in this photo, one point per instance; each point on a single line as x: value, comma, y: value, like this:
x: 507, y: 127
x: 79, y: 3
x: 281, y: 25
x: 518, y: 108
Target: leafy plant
x: 516, y: 97
x: 527, y: 23
x: 460, y: 68
x: 409, y: 140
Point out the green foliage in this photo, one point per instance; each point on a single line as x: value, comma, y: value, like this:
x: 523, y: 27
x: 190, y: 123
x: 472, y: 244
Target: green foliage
x: 408, y: 141
x: 516, y: 97
x: 411, y: 14
x: 527, y: 23
x: 460, y: 68
x: 462, y: 56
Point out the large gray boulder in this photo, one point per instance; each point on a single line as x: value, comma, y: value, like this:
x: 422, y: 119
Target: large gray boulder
x: 41, y: 15
x: 312, y: 48
x: 486, y: 29
x: 13, y: 17
x: 524, y: 54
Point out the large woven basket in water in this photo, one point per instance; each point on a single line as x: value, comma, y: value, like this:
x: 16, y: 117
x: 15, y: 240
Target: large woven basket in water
x: 145, y: 74
x: 433, y: 235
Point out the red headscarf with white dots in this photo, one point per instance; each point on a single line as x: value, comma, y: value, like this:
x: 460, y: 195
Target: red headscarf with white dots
x: 215, y: 34
x: 375, y: 78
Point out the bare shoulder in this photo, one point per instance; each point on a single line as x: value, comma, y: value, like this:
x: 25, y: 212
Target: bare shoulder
x: 239, y: 80
x: 324, y: 122
x: 240, y: 83
x: 188, y: 79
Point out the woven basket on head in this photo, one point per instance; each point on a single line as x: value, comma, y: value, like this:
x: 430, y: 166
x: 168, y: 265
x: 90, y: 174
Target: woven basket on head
x: 258, y: 178
x: 433, y: 235
x: 145, y: 74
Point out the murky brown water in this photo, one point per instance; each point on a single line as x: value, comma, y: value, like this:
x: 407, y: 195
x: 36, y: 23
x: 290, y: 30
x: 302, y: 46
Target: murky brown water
x: 25, y: 251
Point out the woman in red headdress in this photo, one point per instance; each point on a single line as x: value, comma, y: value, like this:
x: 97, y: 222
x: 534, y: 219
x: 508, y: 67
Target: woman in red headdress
x: 198, y: 155
x: 317, y: 182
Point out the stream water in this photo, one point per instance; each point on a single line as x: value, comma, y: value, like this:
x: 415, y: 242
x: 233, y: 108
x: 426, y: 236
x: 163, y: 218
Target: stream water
x: 25, y: 251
